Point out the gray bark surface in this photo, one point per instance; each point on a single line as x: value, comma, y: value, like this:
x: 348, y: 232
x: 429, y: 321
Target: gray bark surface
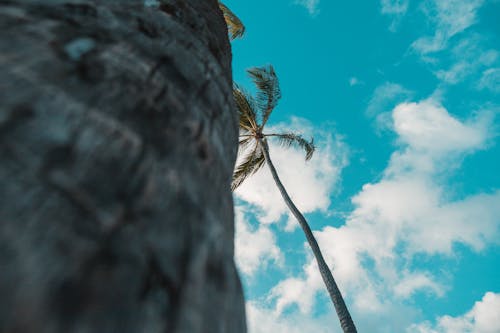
x: 346, y: 322
x: 118, y: 138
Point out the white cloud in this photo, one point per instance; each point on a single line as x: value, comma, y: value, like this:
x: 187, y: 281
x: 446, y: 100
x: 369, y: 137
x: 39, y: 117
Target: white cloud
x: 428, y: 129
x: 490, y: 80
x: 254, y: 248
x: 354, y: 81
x: 293, y: 291
x: 309, y: 183
x: 484, y: 317
x: 395, y: 8
x: 310, y: 5
x: 407, y: 213
x: 261, y: 319
x: 450, y: 17
x: 300, y: 291
x: 407, y: 286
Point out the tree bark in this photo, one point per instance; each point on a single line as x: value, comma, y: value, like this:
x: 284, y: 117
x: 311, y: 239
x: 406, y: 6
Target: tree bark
x: 118, y: 138
x: 343, y: 314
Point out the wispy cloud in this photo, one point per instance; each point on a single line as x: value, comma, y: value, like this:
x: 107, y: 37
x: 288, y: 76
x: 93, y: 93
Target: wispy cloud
x: 468, y: 57
x: 396, y: 9
x: 490, y: 80
x: 354, y: 81
x: 455, y: 52
x: 449, y: 17
x: 384, y: 98
x: 484, y: 317
x: 312, y: 6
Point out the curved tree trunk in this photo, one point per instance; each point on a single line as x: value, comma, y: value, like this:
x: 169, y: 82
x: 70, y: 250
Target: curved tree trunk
x: 118, y: 138
x: 346, y: 321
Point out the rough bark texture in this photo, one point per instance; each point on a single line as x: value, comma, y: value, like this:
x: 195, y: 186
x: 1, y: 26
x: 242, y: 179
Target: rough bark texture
x: 346, y: 322
x: 117, y: 144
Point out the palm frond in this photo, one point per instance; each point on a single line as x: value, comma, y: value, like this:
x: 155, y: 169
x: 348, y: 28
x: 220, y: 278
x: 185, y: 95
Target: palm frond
x: 246, y: 107
x: 244, y: 144
x: 235, y: 27
x: 268, y: 90
x: 250, y: 164
x: 290, y: 139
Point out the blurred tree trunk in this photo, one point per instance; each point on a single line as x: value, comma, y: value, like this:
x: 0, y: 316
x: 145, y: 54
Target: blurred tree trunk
x: 117, y: 144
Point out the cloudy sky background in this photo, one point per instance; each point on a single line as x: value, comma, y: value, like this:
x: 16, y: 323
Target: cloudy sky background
x: 403, y: 193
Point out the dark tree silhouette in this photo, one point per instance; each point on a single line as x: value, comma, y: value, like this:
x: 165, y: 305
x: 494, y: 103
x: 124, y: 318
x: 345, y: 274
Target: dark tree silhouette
x: 118, y: 139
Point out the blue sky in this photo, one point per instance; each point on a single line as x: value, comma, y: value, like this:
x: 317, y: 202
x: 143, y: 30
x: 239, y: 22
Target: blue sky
x: 403, y: 193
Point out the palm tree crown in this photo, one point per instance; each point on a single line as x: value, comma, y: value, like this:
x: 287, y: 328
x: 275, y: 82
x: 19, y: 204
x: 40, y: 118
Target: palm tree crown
x: 254, y: 113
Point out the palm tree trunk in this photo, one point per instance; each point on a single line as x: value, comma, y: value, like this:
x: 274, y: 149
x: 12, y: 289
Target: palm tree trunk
x: 118, y: 139
x: 346, y: 321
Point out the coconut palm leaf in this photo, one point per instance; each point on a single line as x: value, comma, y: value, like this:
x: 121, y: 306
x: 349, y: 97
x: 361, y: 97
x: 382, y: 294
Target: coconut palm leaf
x: 268, y: 90
x: 235, y: 27
x: 246, y: 106
x: 251, y: 163
x: 245, y: 144
x: 290, y: 139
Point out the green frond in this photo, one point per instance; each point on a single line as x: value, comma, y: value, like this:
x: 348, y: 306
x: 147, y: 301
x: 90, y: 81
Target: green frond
x: 235, y: 27
x: 290, y: 139
x: 246, y: 107
x: 268, y: 90
x: 250, y: 164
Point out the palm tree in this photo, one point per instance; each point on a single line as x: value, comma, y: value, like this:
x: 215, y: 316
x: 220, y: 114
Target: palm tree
x: 235, y: 27
x: 254, y: 113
